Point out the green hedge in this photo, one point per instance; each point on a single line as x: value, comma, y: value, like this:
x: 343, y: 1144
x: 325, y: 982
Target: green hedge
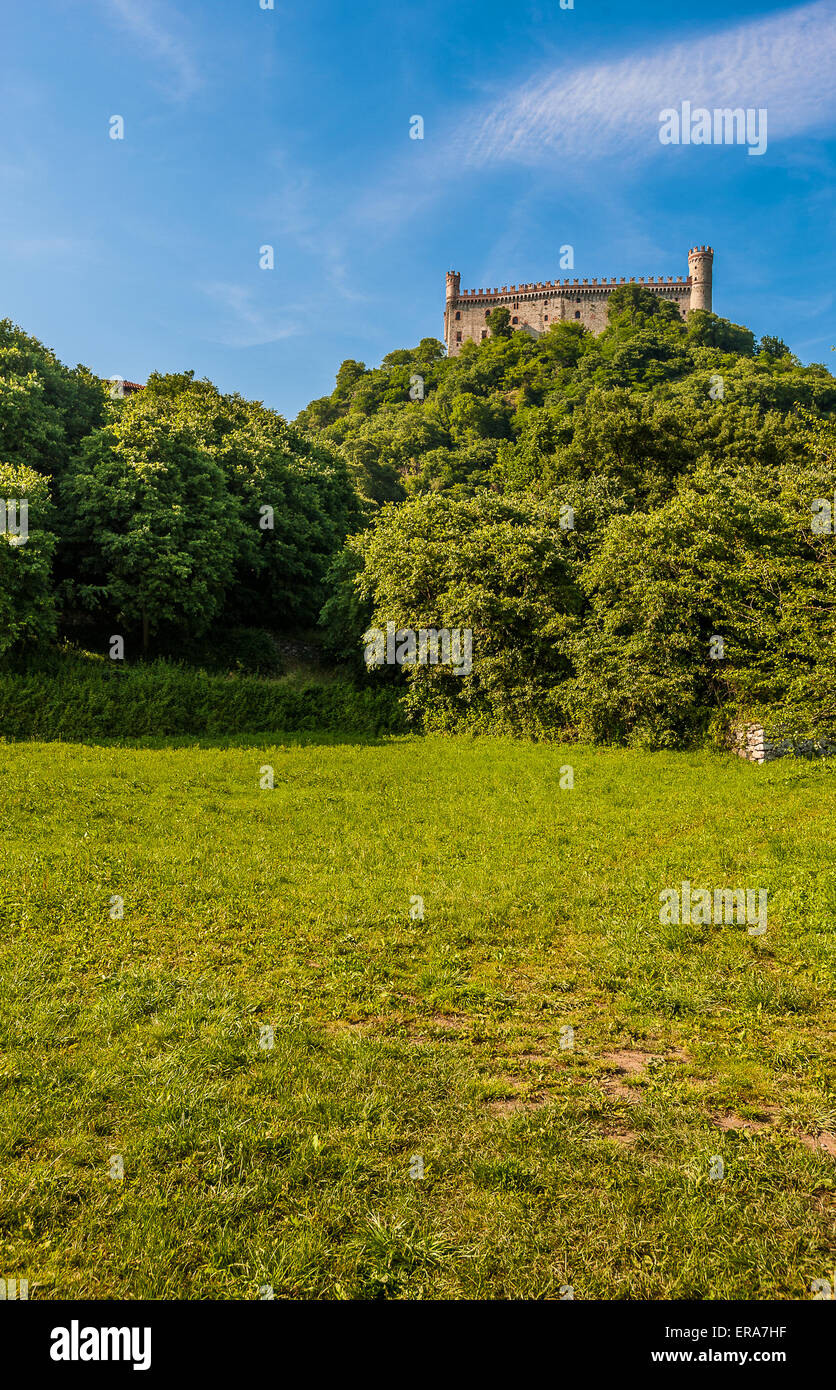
x: 111, y: 701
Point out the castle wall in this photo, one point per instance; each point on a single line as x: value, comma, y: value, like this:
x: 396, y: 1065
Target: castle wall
x: 576, y: 301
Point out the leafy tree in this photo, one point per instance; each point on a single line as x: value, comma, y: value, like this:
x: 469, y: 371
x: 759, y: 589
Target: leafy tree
x: 155, y: 530
x: 292, y: 497
x: 635, y: 306
x: 705, y: 329
x: 773, y: 347
x: 499, y: 322
x: 498, y: 568
x: 45, y: 407
x: 349, y: 374
x: 345, y: 614
x: 731, y: 555
x: 27, y: 604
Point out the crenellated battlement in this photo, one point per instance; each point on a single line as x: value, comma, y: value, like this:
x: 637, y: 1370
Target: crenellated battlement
x: 557, y: 285
x: 583, y: 300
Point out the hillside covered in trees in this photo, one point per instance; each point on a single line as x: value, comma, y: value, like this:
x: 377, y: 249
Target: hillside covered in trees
x: 599, y: 510
x: 634, y: 526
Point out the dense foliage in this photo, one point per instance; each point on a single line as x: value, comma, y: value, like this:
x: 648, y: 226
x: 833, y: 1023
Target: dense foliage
x: 85, y: 698
x: 625, y: 522
x: 628, y: 525
x: 164, y: 516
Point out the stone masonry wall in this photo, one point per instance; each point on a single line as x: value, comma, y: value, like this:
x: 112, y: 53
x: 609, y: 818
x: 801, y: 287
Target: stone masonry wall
x: 757, y: 745
x: 539, y: 306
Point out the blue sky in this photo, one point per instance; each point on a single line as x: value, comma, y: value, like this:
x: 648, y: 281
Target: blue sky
x: 290, y: 127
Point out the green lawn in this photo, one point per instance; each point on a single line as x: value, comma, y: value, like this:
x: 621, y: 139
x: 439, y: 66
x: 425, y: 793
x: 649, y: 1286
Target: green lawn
x: 545, y: 1165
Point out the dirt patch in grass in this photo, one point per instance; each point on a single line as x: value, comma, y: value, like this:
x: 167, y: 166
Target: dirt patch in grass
x: 619, y: 1091
x: 339, y: 1027
x: 518, y: 1097
x: 825, y: 1143
x: 625, y: 1137
x: 820, y: 1143
x: 727, y: 1122
x: 624, y: 1062
x: 632, y: 1063
x: 508, y: 1105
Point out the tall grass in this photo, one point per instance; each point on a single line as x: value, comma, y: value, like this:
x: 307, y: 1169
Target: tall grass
x: 81, y: 700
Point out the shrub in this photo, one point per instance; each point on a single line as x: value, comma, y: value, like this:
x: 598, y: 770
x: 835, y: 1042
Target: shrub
x: 104, y: 699
x: 27, y: 608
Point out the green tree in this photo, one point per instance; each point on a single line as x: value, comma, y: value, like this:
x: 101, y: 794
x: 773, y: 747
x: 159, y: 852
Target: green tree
x: 293, y: 496
x: 732, y: 555
x: 154, y: 528
x: 27, y: 605
x: 348, y: 377
x: 705, y: 329
x: 773, y: 347
x: 634, y: 306
x: 498, y: 568
x: 499, y: 322
x: 45, y: 407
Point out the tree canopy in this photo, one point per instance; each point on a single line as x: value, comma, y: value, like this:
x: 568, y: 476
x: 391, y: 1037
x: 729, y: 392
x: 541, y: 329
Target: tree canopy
x: 689, y: 458
x: 636, y: 529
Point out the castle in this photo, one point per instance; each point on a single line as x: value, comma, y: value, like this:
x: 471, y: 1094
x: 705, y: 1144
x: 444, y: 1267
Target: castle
x: 534, y: 308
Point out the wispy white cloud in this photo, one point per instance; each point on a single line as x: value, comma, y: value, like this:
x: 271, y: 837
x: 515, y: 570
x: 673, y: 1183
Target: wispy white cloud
x: 786, y: 63
x: 247, y: 323
x: 609, y: 111
x: 154, y: 28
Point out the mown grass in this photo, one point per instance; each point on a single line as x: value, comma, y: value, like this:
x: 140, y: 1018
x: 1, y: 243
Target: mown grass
x: 544, y: 1165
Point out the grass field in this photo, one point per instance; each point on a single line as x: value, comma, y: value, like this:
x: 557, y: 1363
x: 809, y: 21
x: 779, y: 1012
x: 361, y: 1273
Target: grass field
x: 398, y: 1041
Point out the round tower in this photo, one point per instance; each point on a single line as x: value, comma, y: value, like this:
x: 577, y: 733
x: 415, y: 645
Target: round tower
x: 700, y: 263
x: 453, y: 282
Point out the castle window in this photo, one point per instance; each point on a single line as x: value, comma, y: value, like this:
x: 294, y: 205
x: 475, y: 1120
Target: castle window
x: 515, y: 320
x: 458, y: 337
x: 487, y: 311
x: 546, y: 317
x: 484, y: 332
x: 577, y: 313
x: 458, y: 315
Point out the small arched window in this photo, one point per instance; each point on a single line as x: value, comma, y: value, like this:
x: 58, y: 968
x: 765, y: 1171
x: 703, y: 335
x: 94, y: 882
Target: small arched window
x: 515, y: 320
x: 458, y: 315
x: 577, y: 313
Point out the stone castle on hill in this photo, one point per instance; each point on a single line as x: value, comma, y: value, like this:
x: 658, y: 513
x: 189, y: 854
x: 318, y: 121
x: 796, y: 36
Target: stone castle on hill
x: 534, y: 308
